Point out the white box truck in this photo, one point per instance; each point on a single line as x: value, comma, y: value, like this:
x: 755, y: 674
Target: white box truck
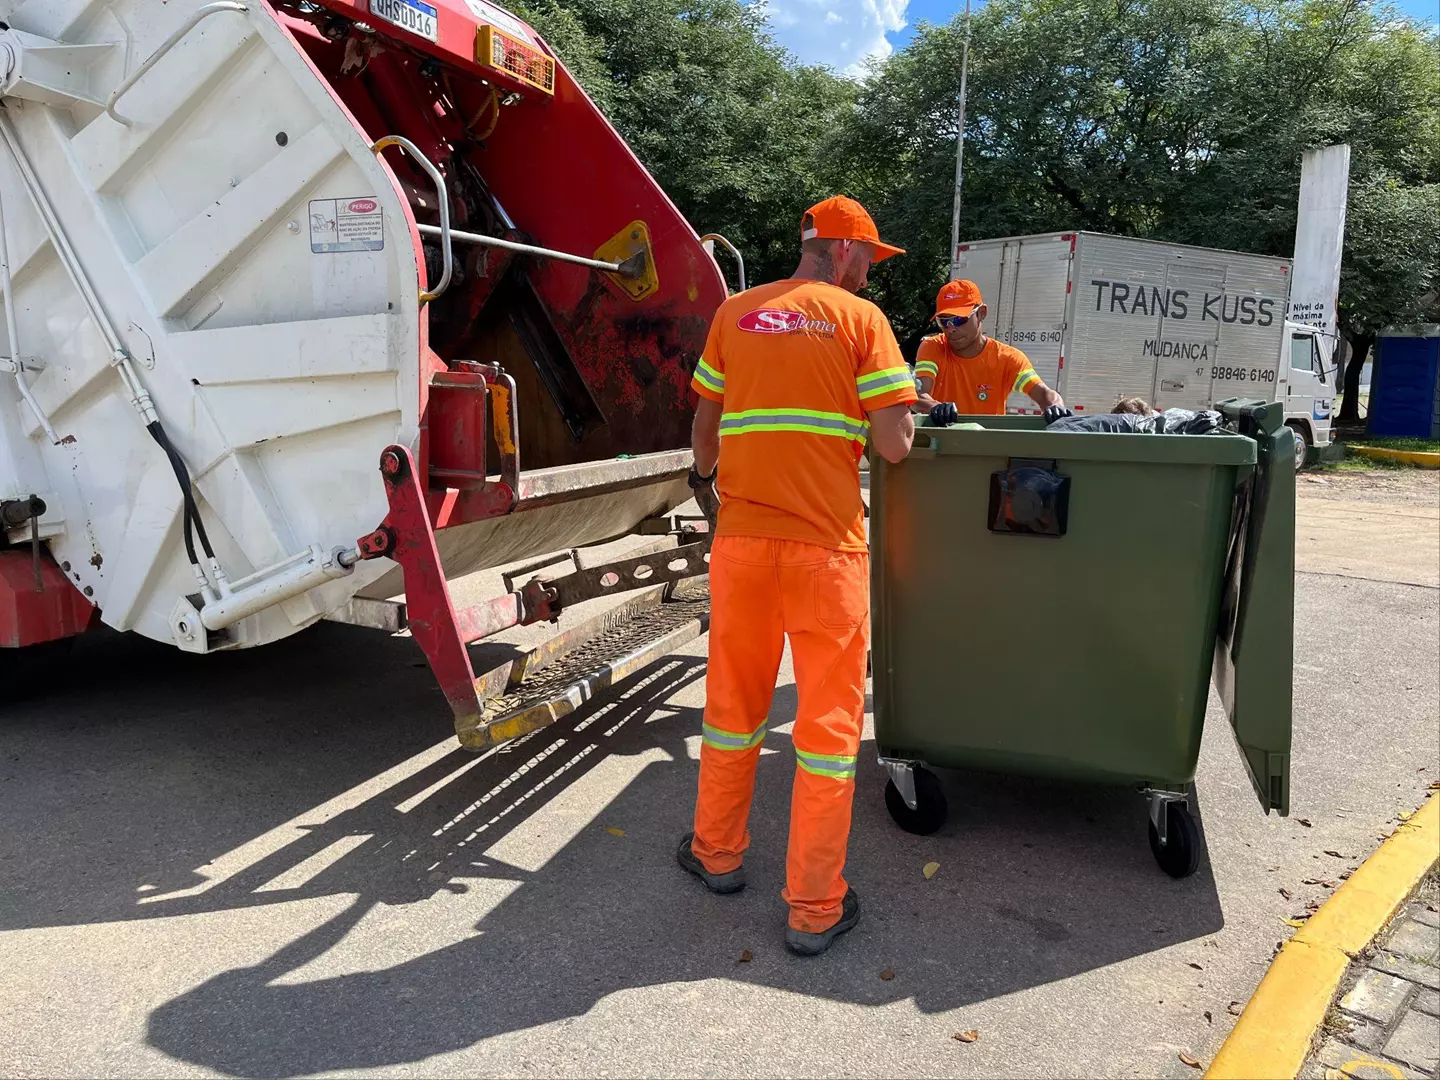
x: 1104, y: 317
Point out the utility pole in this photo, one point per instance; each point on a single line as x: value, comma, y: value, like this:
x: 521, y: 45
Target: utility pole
x: 960, y: 141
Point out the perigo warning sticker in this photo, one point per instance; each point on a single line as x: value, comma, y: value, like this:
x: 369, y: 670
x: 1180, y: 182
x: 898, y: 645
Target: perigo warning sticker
x: 346, y: 225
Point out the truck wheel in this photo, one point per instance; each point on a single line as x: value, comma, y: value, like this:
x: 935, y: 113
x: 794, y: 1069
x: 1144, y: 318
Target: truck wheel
x: 930, y: 811
x: 1180, y: 855
x: 1302, y: 445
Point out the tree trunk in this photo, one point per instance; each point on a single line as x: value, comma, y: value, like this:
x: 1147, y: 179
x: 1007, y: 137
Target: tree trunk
x: 1360, y: 346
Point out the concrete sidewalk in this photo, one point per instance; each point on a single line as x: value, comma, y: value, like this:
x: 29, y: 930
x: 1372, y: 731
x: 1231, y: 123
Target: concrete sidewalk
x: 1387, y: 1024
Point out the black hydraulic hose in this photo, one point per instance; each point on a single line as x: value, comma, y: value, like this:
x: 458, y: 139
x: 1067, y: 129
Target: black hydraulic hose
x: 192, y: 511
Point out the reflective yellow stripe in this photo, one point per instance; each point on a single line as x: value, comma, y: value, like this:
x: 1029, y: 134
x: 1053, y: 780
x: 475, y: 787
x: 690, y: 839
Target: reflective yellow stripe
x: 730, y: 740
x: 709, y: 378
x: 927, y: 369
x: 883, y: 382
x: 835, y: 766
x: 805, y: 420
x: 1025, y: 378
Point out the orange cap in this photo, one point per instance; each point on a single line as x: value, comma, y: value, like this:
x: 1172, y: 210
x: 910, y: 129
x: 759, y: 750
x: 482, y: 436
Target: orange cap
x: 839, y: 218
x: 958, y: 298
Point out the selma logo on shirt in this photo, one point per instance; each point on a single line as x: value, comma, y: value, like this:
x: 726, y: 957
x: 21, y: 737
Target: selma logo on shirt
x: 775, y: 321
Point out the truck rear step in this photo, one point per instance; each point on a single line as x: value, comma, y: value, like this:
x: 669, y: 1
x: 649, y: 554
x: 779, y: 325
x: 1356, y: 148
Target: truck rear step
x: 559, y: 676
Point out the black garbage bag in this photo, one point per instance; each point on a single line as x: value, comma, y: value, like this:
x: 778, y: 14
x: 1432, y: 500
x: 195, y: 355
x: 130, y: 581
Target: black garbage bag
x: 1116, y: 422
x: 1170, y: 422
x: 1187, y: 422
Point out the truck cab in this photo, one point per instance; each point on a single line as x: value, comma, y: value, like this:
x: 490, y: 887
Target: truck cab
x: 1306, y: 384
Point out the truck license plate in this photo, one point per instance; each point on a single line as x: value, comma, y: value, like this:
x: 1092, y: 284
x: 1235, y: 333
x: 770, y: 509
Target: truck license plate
x: 414, y: 15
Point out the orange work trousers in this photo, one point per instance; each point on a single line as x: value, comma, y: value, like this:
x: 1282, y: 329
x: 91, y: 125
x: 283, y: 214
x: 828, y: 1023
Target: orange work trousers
x: 760, y: 592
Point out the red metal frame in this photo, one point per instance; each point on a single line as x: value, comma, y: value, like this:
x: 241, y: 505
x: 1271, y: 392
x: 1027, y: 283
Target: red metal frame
x: 442, y: 631
x: 29, y: 616
x: 569, y: 182
x: 562, y: 176
x: 408, y: 537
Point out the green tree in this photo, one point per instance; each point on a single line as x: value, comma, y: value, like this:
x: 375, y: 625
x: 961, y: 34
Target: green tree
x: 1082, y: 114
x: 1182, y: 120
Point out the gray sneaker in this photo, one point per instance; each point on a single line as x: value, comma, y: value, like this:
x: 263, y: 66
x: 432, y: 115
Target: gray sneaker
x: 732, y: 882
x: 803, y: 944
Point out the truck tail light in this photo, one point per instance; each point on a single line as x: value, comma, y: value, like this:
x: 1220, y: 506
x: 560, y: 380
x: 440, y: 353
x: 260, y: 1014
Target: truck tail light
x: 498, y: 50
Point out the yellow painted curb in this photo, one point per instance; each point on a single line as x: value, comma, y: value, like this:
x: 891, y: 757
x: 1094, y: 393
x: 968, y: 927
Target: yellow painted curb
x: 1272, y: 1038
x: 1422, y: 459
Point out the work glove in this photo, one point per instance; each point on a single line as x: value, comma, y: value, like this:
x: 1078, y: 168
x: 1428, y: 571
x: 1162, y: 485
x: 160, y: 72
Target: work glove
x: 1056, y: 412
x: 944, y: 414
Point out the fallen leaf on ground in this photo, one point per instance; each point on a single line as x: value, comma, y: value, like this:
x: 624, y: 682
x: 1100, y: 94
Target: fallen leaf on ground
x: 614, y: 831
x: 1333, y: 854
x: 1233, y: 1008
x: 1285, y: 893
x: 745, y: 957
x: 1296, y: 923
x: 1345, y: 875
x: 1208, y: 1018
x: 1196, y: 966
x: 930, y: 869
x: 1435, y: 786
x: 965, y: 1036
x: 1304, y: 821
x: 1186, y: 1059
x: 1310, y: 881
x: 887, y: 974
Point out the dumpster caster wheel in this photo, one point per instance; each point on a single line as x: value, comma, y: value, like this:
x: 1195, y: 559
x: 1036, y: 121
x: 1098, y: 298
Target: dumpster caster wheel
x: 1179, y: 856
x: 930, y: 807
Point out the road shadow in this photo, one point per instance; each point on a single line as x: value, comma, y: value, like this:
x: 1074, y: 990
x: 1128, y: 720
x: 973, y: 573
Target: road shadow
x: 1038, y: 882
x: 147, y: 764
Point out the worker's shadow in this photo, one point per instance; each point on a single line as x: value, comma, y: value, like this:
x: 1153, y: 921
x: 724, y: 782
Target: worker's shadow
x: 1035, y: 883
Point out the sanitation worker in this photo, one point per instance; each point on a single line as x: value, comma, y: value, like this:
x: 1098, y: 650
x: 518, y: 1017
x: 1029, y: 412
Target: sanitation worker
x: 796, y: 378
x: 961, y: 365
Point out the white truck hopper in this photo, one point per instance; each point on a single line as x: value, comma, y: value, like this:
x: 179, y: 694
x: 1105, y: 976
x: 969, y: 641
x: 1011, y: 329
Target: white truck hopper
x: 249, y: 248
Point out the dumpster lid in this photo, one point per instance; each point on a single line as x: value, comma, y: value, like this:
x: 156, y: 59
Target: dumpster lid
x: 1254, y: 643
x: 1213, y: 449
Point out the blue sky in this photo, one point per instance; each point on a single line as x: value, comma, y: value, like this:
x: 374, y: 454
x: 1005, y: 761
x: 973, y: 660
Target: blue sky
x: 843, y: 33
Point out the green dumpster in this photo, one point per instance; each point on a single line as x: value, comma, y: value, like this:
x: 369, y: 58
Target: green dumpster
x: 1056, y: 604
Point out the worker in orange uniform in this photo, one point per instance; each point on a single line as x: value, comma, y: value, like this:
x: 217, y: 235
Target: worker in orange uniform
x: 974, y: 372
x: 797, y: 376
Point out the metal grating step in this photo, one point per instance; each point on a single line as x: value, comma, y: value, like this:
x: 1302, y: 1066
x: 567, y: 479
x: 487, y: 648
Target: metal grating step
x: 609, y: 653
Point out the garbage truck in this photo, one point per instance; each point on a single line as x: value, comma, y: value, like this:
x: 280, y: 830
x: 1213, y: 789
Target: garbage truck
x: 309, y: 304
x: 1104, y: 317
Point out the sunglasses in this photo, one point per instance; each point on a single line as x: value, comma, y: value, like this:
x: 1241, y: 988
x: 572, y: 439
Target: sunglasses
x: 952, y: 322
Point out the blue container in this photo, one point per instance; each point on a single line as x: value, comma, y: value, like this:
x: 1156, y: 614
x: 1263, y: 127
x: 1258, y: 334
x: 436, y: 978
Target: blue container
x: 1405, y: 393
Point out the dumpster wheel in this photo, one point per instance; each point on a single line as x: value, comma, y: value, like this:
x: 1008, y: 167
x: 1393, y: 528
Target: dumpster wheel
x: 1179, y: 855
x: 930, y: 810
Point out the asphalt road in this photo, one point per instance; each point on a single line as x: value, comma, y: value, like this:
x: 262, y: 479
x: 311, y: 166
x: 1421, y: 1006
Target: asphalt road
x: 274, y: 863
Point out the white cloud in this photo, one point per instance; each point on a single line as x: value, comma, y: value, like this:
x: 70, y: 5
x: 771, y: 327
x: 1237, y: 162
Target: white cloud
x: 840, y: 33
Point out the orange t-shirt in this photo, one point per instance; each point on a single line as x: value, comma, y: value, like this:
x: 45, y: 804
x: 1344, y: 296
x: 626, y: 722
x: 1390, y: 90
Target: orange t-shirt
x: 978, y: 385
x: 796, y: 366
